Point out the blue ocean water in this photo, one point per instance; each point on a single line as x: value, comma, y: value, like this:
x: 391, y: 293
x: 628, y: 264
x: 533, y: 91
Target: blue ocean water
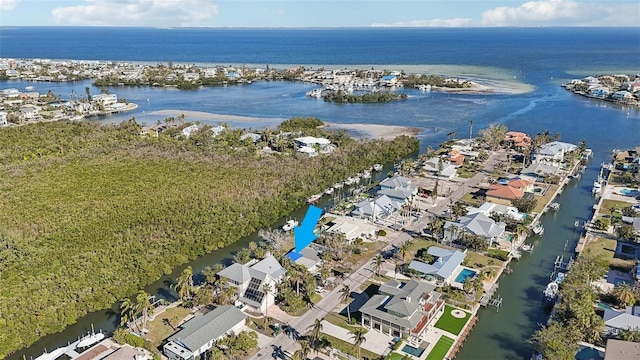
x: 540, y: 58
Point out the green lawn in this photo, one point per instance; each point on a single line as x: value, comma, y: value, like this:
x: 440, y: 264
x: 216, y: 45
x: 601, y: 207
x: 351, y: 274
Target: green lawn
x: 441, y: 348
x: 395, y: 356
x: 451, y: 324
x: 606, y: 248
x: 347, y: 347
x: 608, y: 204
x: 159, y: 328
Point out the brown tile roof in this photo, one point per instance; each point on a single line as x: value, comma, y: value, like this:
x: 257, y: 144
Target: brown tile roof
x: 504, y: 192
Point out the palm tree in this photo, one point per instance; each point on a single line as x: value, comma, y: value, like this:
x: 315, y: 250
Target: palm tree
x: 624, y: 294
x: 128, y: 311
x: 316, y: 328
x: 143, y: 302
x: 377, y: 263
x: 346, y: 294
x: 305, y: 349
x: 358, y: 338
x: 404, y: 247
x: 184, y: 283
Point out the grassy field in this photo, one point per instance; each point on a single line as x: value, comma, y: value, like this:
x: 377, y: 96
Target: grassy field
x: 541, y: 201
x: 608, y: 204
x: 441, y: 348
x: 479, y: 261
x: 348, y: 348
x: 448, y: 322
x: 159, y: 328
x: 606, y: 248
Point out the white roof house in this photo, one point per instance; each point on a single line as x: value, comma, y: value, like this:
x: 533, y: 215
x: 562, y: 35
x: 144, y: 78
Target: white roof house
x: 308, y: 144
x: 478, y: 224
x: 553, y: 152
x: 381, y: 207
x: 489, y: 208
x: 189, y: 130
x: 201, y: 332
x: 3, y: 119
x: 445, y: 265
x: 615, y: 321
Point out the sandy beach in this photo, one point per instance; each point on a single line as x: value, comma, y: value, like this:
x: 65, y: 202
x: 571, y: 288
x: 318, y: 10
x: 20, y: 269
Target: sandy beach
x: 201, y: 115
x: 375, y: 131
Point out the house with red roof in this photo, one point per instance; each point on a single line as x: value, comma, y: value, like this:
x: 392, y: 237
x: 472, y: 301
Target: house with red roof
x: 503, y: 194
x: 517, y: 139
x: 455, y: 158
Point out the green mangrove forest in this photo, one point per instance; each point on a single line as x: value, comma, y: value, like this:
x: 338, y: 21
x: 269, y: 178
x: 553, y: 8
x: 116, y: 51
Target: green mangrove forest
x: 91, y: 213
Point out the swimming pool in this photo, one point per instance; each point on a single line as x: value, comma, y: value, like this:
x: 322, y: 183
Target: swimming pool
x: 412, y: 351
x: 464, y: 275
x: 629, y: 192
x: 508, y: 238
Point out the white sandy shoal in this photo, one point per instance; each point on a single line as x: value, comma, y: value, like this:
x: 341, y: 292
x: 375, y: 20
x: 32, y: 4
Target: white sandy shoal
x: 202, y: 115
x: 377, y: 131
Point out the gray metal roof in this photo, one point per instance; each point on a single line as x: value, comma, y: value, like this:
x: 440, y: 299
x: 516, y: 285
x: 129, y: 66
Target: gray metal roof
x: 619, y: 320
x: 198, y: 331
x: 397, y: 302
x: 482, y: 225
x: 236, y: 272
x: 270, y: 266
x: 622, y: 350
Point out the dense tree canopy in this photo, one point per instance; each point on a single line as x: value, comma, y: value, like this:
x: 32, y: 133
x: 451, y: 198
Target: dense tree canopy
x: 89, y: 214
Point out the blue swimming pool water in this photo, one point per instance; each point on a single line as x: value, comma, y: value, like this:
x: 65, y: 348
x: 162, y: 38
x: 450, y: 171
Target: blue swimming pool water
x: 412, y: 351
x: 464, y: 275
x: 629, y: 192
x: 509, y: 237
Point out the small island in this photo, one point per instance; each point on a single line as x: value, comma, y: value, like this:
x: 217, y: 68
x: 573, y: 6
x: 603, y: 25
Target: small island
x: 620, y: 89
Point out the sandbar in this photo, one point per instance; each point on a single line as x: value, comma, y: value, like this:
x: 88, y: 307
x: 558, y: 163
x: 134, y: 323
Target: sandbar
x: 202, y: 115
x: 376, y: 131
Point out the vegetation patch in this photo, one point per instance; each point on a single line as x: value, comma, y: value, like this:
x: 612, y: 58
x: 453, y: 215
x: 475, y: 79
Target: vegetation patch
x: 450, y: 323
x: 90, y: 214
x: 348, y: 348
x: 165, y: 324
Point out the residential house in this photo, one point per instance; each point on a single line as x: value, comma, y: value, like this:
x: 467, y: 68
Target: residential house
x: 440, y: 167
x: 553, y: 153
x: 521, y: 184
x: 107, y: 100
x: 540, y: 170
x: 217, y: 130
x: 615, y: 321
x: 191, y: 76
x: 189, y: 130
x: 389, y: 80
x: 622, y: 95
x: 398, y: 188
x: 307, y: 257
x: 3, y: 119
x: 455, y: 158
x: 600, y: 92
x: 249, y: 279
x: 621, y: 350
x: 402, y: 309
x: 380, y: 208
x: 478, y: 224
x: 503, y: 193
x: 29, y: 113
x: 199, y: 334
x: 443, y: 268
x: 311, y: 145
x: 517, y: 140
x: 489, y: 208
x: 352, y: 231
x: 254, y: 137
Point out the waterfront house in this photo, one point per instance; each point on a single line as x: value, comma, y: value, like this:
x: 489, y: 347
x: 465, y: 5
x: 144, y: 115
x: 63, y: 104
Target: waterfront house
x: 397, y: 188
x: 29, y: 113
x: 191, y: 129
x: 250, y: 278
x: 622, y: 95
x: 553, y: 153
x: 350, y: 230
x: 443, y: 268
x: 600, y: 92
x: 616, y: 321
x: 199, y: 334
x: 191, y: 76
x: 477, y: 224
x: 106, y: 100
x: 389, y: 80
x: 489, y: 208
x: 217, y: 130
x: 402, y: 309
x: 540, y: 170
x: 517, y: 140
x: 311, y: 145
x: 380, y: 208
x: 3, y: 119
x: 455, y: 158
x: 440, y: 167
x: 503, y: 194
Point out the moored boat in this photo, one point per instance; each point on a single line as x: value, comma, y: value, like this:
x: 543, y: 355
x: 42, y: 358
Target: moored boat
x: 329, y: 191
x: 551, y: 291
x: 377, y: 167
x: 366, y: 174
x: 314, y: 198
x: 289, y: 225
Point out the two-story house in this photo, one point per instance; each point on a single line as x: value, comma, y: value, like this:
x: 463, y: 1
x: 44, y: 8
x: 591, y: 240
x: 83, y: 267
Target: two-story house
x: 402, y: 309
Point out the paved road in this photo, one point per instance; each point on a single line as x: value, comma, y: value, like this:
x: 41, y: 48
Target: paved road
x: 283, y: 345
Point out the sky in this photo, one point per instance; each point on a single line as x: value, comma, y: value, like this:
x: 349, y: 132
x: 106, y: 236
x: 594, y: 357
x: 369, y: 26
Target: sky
x: 319, y: 13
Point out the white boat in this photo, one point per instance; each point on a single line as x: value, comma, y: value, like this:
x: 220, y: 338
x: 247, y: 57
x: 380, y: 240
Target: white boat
x: 314, y: 198
x: 554, y: 206
x: 29, y: 88
x: 526, y: 247
x: 289, y: 225
x: 538, y: 229
x: 315, y: 93
x: 366, y: 174
x: 551, y: 291
x: 597, y: 187
x: 377, y: 167
x: 349, y: 181
x: 329, y: 191
x: 337, y: 186
x: 89, y: 340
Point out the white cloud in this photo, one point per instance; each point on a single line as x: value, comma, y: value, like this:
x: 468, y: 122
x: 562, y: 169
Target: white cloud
x: 457, y: 22
x: 164, y: 13
x: 564, y: 12
x: 7, y: 5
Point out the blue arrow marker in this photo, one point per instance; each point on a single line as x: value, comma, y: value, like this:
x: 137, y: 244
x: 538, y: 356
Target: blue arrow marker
x: 303, y: 235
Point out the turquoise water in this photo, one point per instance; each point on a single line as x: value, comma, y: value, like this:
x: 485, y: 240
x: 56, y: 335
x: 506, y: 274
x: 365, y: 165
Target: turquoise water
x: 509, y: 237
x: 629, y: 192
x: 412, y: 351
x: 464, y: 275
